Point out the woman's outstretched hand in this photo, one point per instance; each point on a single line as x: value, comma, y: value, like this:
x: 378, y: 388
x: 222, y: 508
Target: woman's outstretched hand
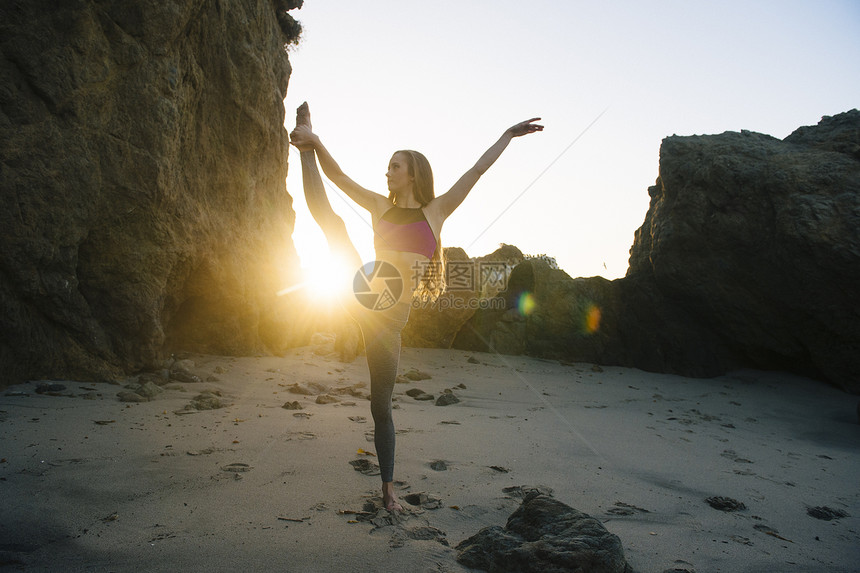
x: 525, y: 127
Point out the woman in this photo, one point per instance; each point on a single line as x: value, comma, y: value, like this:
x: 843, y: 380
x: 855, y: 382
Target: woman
x: 406, y: 226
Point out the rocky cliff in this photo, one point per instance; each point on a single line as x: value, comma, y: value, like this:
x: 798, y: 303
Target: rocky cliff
x: 142, y: 168
x: 749, y: 256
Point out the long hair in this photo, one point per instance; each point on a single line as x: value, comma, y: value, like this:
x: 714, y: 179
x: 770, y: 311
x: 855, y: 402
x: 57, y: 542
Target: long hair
x: 433, y: 282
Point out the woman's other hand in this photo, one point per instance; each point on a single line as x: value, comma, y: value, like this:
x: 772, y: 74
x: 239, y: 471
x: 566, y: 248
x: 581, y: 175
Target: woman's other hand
x: 525, y: 127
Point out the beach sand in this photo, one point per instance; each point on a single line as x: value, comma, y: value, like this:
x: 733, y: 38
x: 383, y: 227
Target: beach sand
x: 90, y: 483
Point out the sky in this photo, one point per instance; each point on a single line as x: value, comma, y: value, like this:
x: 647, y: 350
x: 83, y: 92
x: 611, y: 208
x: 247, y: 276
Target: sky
x: 610, y: 80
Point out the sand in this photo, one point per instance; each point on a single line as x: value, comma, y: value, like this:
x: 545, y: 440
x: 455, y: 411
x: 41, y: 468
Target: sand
x: 90, y: 483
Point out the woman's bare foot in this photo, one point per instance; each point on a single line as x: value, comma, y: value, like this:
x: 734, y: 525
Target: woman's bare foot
x: 298, y: 136
x: 303, y: 115
x: 389, y: 498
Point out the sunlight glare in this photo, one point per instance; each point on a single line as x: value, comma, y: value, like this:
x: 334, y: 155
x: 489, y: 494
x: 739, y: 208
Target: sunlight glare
x: 327, y: 279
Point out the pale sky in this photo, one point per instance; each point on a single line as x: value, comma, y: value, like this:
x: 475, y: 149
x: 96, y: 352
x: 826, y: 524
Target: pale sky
x: 447, y: 78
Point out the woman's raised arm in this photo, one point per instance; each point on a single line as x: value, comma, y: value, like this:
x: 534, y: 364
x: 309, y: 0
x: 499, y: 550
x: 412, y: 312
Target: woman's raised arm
x: 306, y: 140
x: 446, y: 204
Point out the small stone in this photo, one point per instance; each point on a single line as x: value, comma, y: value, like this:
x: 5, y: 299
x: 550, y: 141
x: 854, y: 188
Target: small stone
x: 825, y: 513
x: 438, y: 465
x: 423, y: 500
x: 294, y: 405
x: 184, y: 376
x: 326, y: 399
x: 446, y: 400
x: 415, y: 374
x: 129, y: 396
x: 206, y: 401
x: 473, y: 360
x: 148, y: 389
x: 725, y: 503
x: 49, y: 388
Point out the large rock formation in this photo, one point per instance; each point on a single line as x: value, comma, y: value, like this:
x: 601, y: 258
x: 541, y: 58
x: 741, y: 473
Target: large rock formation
x: 142, y: 167
x: 749, y: 256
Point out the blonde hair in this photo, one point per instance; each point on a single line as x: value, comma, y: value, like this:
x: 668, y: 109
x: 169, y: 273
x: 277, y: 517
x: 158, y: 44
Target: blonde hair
x: 432, y: 284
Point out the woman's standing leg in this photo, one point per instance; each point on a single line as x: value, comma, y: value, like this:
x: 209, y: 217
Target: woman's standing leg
x: 382, y: 342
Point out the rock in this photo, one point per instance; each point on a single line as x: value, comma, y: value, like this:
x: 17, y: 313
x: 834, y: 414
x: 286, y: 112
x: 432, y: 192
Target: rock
x: 419, y: 394
x: 50, y: 388
x: 544, y: 536
x: 825, y: 513
x: 757, y: 241
x: 309, y: 389
x: 326, y: 399
x: 416, y: 375
x: 206, y: 401
x: 129, y: 396
x: 181, y: 375
x: 447, y: 399
x: 423, y: 500
x: 144, y: 206
x: 438, y: 466
x: 148, y: 390
x: 725, y: 503
x: 749, y: 256
x: 292, y: 406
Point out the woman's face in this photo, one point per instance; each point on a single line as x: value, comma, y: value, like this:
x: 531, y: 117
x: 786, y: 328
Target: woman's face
x: 399, y: 180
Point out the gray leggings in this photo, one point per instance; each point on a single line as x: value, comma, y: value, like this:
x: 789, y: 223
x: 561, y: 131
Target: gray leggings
x: 380, y: 329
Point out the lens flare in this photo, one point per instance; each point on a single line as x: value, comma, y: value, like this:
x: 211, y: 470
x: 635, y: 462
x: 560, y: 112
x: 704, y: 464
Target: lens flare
x: 592, y: 319
x: 526, y: 304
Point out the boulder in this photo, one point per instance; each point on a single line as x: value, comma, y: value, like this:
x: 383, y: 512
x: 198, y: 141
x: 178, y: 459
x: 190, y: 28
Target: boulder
x: 142, y: 165
x: 757, y: 240
x: 544, y: 536
x: 749, y: 256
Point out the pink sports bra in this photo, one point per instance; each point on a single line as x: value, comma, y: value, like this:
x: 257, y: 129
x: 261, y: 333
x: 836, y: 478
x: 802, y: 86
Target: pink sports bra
x: 404, y: 230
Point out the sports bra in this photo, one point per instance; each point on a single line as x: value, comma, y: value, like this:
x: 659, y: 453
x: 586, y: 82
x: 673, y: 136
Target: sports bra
x: 404, y: 230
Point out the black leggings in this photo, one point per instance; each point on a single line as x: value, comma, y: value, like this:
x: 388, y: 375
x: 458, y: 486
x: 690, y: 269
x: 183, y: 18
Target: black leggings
x: 380, y: 329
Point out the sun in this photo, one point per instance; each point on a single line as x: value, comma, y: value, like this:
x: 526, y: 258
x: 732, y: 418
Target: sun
x: 324, y: 277
x: 327, y: 279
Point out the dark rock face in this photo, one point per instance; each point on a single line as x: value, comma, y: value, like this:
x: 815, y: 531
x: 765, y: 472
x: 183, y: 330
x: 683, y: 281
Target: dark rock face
x: 759, y: 241
x: 544, y: 536
x: 749, y: 256
x: 142, y: 165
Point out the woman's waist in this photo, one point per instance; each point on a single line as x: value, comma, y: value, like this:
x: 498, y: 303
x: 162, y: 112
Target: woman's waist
x: 411, y: 267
